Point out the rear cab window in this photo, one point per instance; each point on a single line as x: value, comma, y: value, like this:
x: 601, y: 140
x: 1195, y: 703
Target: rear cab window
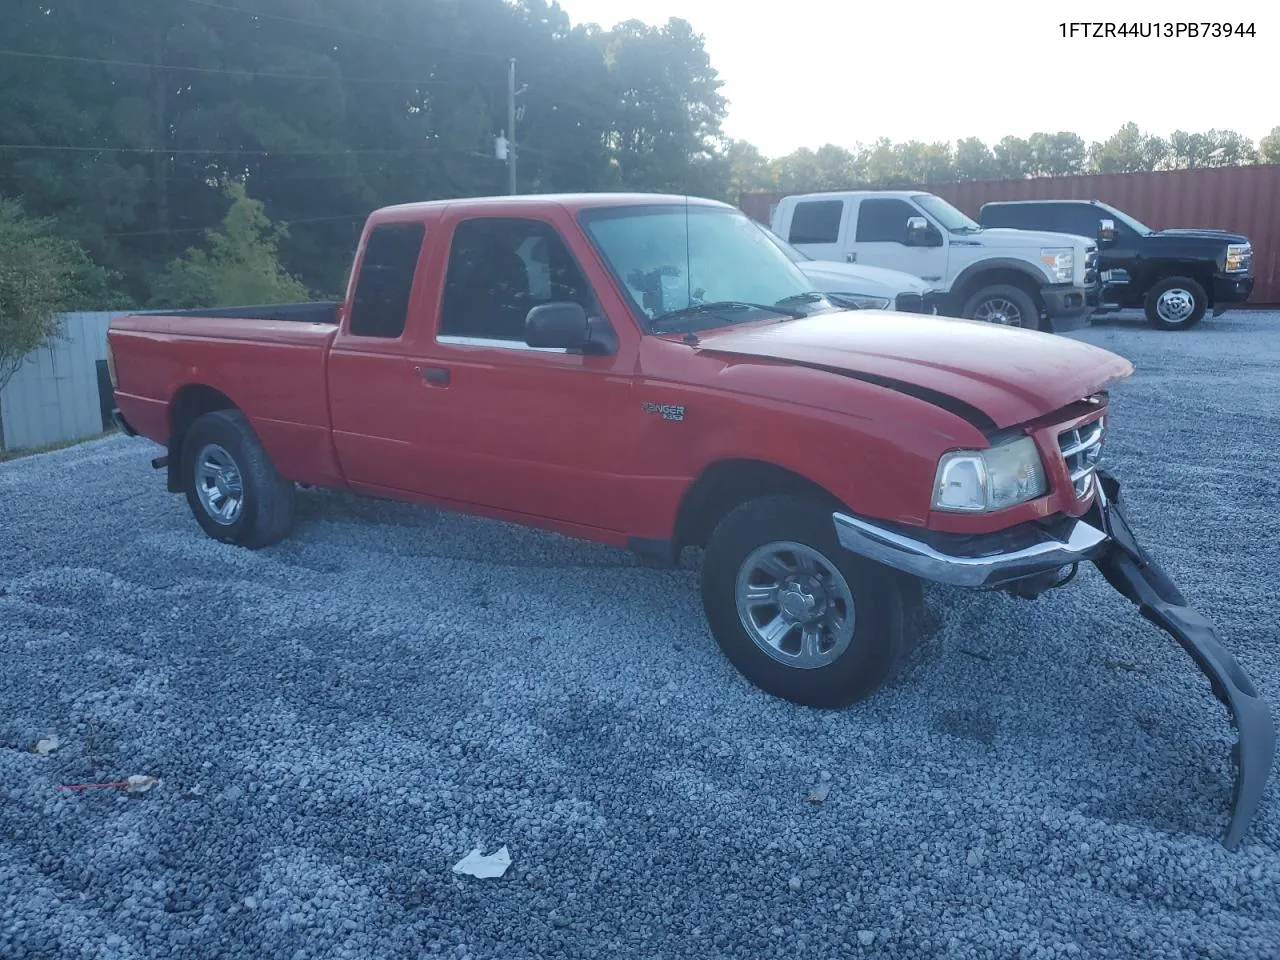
x: 816, y: 221
x: 380, y: 303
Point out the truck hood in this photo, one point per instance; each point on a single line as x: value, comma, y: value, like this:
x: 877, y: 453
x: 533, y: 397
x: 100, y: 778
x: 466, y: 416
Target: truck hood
x: 832, y: 276
x: 1001, y: 238
x: 978, y: 370
x: 1219, y: 236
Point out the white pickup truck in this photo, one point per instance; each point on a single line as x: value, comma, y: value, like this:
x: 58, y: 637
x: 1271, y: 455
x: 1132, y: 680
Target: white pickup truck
x: 1021, y: 278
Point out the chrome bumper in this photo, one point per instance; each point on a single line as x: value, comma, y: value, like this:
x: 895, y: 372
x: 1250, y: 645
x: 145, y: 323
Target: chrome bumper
x: 973, y: 561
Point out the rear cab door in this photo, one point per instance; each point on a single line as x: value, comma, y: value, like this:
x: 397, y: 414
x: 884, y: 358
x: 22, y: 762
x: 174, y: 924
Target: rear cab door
x: 819, y: 226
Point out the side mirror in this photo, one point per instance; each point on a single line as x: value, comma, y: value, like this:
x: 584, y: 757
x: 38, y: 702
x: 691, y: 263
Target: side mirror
x: 920, y: 233
x: 563, y: 324
x: 1106, y: 231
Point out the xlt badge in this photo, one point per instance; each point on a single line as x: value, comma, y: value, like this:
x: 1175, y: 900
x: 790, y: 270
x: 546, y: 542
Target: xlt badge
x: 669, y: 411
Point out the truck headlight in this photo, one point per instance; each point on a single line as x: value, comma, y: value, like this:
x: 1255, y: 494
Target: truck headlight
x: 1239, y: 257
x: 979, y: 481
x: 1059, y: 263
x: 858, y: 301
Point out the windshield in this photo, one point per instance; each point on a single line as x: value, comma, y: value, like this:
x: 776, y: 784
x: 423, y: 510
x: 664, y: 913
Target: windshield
x: 1136, y: 226
x: 790, y: 252
x: 685, y: 262
x: 947, y: 216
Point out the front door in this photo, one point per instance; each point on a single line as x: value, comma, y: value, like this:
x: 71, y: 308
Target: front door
x: 880, y: 240
x: 531, y: 431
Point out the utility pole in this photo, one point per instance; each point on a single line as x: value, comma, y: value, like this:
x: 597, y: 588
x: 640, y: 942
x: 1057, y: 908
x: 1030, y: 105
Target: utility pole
x: 511, y: 127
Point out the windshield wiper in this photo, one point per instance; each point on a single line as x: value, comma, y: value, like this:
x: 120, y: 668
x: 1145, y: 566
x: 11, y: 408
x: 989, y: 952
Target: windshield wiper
x: 811, y: 296
x: 715, y: 307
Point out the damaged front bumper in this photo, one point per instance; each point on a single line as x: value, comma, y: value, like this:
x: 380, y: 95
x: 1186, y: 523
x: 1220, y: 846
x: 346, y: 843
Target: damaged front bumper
x: 1042, y: 554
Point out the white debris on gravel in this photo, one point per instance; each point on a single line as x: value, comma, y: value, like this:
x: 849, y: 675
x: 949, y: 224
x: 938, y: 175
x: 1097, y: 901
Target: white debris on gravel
x: 358, y: 704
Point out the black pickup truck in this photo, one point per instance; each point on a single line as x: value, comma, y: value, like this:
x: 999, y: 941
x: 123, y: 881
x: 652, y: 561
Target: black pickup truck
x: 1174, y: 275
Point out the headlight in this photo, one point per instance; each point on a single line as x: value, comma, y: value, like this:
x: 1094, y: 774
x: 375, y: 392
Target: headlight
x: 1060, y: 262
x: 1239, y: 257
x: 979, y: 481
x: 858, y: 301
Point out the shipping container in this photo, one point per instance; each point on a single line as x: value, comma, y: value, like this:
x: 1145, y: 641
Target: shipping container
x: 1242, y: 199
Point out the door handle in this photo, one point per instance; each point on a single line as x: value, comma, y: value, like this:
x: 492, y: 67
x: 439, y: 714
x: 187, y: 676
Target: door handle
x: 436, y: 376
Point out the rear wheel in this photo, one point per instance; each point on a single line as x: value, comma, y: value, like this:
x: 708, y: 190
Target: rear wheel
x: 1176, y: 304
x: 233, y: 489
x: 1003, y: 304
x: 797, y: 614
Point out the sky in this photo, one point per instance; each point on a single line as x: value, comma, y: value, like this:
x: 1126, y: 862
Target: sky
x: 808, y: 72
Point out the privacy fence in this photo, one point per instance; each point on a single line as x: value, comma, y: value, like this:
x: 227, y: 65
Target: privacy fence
x: 62, y: 390
x: 1242, y: 199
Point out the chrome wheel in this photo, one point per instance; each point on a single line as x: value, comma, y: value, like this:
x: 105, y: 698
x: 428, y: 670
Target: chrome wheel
x: 219, y: 486
x: 795, y: 604
x: 1175, y: 305
x: 999, y: 310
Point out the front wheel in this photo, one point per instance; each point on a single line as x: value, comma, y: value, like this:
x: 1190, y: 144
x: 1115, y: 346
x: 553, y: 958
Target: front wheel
x: 232, y: 487
x: 1176, y: 304
x: 1003, y: 304
x: 797, y: 614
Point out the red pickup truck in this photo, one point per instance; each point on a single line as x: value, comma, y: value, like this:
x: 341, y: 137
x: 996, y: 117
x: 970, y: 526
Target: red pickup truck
x: 651, y: 372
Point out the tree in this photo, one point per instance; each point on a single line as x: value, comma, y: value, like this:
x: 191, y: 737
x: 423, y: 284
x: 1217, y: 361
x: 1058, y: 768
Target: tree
x: 749, y: 169
x: 1059, y: 154
x: 827, y: 168
x: 667, y: 109
x: 1128, y: 150
x: 241, y: 266
x: 1014, y: 159
x: 41, y: 275
x: 974, y: 160
x: 1269, y: 147
x: 1215, y: 148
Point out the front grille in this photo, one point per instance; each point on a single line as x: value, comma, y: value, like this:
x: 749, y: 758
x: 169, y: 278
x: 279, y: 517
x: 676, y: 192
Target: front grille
x: 1081, y: 448
x: 909, y: 303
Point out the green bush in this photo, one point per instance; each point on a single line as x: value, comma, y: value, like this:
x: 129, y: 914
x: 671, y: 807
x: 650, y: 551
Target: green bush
x: 241, y: 265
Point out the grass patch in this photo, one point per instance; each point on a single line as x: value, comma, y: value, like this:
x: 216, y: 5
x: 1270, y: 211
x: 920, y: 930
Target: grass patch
x: 7, y: 455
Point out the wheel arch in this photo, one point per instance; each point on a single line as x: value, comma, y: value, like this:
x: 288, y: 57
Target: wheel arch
x: 190, y: 403
x: 989, y: 273
x: 726, y: 484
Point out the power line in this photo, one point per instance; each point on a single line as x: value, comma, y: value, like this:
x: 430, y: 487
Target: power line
x: 251, y: 74
x: 187, y: 151
x: 448, y: 48
x: 287, y: 223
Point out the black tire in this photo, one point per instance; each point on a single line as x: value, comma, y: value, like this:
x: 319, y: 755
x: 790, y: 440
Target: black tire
x: 265, y: 513
x: 881, y: 598
x: 1015, y: 297
x: 1159, y: 314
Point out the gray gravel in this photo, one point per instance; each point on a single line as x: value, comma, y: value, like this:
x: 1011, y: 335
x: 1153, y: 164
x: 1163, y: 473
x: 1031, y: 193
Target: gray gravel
x: 338, y: 720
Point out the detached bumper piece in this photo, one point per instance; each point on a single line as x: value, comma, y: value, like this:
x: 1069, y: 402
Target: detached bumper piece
x: 1030, y: 558
x: 1127, y: 568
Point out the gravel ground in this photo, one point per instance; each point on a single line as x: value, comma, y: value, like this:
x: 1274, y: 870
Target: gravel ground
x: 338, y: 720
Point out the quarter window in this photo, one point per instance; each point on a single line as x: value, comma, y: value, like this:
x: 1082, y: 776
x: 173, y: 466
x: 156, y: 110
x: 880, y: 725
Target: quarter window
x: 816, y: 221
x: 381, y: 301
